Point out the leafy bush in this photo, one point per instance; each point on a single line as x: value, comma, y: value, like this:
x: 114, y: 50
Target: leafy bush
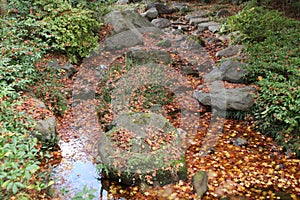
x: 64, y: 28
x: 18, y: 153
x: 71, y: 30
x: 274, y: 59
x: 17, y: 68
x: 256, y: 24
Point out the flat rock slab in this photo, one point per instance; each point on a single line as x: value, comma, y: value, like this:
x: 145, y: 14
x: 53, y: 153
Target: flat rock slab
x: 194, y: 21
x: 227, y: 99
x: 139, y: 157
x: 195, y: 14
x: 206, y: 25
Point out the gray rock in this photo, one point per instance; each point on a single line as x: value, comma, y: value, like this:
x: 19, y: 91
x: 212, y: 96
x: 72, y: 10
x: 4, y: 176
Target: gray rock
x: 240, y: 142
x: 180, y: 6
x: 38, y: 103
x: 128, y: 38
x: 140, y: 55
x: 223, y: 38
x: 230, y: 51
x: 124, y: 39
x: 200, y: 183
x: 214, y: 28
x: 126, y: 20
x: 161, y: 8
x: 206, y: 25
x: 45, y: 130
x: 164, y: 164
x: 161, y: 22
x: 150, y: 14
x: 69, y: 70
x: 227, y: 99
x: 223, y: 13
x: 231, y: 71
x: 198, y: 20
x: 195, y: 14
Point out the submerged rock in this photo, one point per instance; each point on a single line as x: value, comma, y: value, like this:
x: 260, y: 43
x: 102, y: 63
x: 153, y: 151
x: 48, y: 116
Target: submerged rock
x: 150, y: 150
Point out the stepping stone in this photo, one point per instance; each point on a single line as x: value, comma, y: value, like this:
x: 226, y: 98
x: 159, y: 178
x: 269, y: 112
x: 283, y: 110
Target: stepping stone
x: 195, y: 14
x: 194, y: 21
x: 206, y: 25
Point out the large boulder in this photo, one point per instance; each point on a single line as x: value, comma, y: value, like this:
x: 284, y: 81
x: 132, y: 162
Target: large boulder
x: 128, y: 26
x: 142, y: 56
x: 227, y: 99
x: 143, y: 147
x: 128, y: 38
x: 124, y: 39
x: 126, y: 20
x: 231, y: 71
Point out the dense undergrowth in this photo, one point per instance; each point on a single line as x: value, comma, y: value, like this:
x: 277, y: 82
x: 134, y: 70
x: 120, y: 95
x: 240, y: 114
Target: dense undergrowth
x: 29, y: 30
x: 272, y: 45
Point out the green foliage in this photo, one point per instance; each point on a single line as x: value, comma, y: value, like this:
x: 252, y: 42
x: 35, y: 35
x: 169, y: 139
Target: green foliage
x: 256, y: 24
x: 18, y: 152
x: 85, y: 194
x: 17, y: 68
x: 63, y: 28
x: 272, y: 43
x: 71, y: 30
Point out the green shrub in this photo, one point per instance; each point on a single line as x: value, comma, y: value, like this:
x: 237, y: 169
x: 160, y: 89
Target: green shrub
x: 272, y: 45
x: 72, y: 31
x: 67, y: 29
x: 256, y: 24
x: 18, y: 153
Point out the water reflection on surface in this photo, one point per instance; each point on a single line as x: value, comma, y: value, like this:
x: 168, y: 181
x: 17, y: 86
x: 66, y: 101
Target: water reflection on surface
x: 75, y: 171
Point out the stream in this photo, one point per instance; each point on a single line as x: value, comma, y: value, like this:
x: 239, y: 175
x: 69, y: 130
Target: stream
x: 78, y: 167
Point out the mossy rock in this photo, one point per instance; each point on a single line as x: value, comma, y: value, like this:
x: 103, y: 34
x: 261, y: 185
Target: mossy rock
x: 144, y: 147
